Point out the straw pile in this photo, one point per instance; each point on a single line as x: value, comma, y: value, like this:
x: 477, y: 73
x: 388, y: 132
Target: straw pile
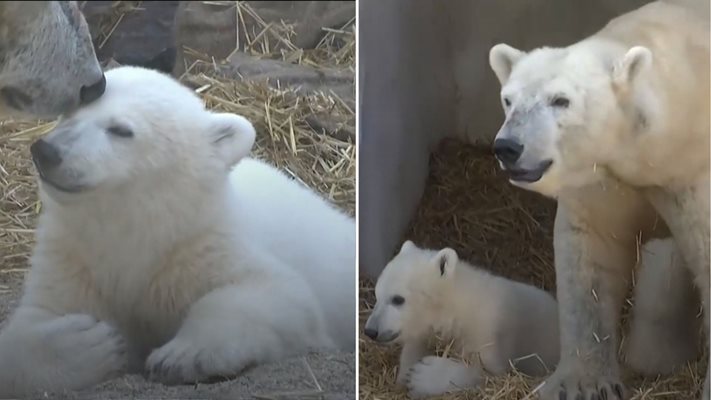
x: 469, y: 205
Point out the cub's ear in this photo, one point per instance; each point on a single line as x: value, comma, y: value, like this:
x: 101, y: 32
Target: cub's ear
x: 502, y: 59
x: 446, y: 261
x: 635, y: 62
x: 232, y: 135
x: 407, y: 246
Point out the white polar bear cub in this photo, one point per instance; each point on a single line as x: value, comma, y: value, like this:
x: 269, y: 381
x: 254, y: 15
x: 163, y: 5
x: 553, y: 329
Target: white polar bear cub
x: 494, y: 320
x: 151, y: 248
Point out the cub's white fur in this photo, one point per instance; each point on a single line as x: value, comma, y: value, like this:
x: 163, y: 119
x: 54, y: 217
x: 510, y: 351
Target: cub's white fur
x: 496, y: 322
x: 47, y: 62
x: 152, y: 254
x: 654, y: 344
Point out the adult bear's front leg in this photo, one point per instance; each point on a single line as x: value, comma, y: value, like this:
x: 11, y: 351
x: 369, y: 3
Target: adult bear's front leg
x: 593, y: 261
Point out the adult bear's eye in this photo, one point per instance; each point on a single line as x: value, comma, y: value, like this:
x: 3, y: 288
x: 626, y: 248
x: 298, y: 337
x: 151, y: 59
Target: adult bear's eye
x: 120, y: 131
x: 397, y: 300
x: 561, y: 102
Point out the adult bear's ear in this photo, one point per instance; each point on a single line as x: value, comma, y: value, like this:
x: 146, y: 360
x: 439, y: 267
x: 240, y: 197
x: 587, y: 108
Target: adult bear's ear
x: 446, y: 261
x: 502, y: 59
x: 232, y: 135
x: 636, y: 61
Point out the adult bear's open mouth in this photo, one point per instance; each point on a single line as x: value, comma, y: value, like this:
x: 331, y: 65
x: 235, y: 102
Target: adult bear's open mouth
x: 529, y: 175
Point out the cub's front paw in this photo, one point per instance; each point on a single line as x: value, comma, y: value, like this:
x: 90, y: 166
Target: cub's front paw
x: 577, y: 384
x: 401, y: 378
x: 84, y: 346
x: 181, y: 362
x: 437, y: 375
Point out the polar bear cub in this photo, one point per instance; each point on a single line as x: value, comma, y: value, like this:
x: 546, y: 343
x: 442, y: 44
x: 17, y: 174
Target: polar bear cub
x: 495, y: 322
x: 153, y: 251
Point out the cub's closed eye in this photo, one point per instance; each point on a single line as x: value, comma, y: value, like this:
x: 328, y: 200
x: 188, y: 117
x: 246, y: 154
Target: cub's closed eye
x: 120, y: 131
x: 397, y: 300
x: 561, y: 102
x: 507, y: 102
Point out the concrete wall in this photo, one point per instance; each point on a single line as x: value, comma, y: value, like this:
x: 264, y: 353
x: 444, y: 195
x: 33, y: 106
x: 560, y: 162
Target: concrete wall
x: 424, y: 75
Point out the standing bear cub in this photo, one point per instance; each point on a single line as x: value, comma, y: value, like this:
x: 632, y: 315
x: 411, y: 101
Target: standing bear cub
x: 495, y: 322
x: 153, y: 251
x: 616, y: 128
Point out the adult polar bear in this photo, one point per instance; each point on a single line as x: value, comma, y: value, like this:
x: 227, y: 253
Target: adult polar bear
x: 150, y: 250
x: 47, y: 61
x: 616, y: 127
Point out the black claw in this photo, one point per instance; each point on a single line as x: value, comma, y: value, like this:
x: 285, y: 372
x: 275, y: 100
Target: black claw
x: 200, y: 369
x: 562, y: 395
x: 618, y: 390
x: 603, y: 394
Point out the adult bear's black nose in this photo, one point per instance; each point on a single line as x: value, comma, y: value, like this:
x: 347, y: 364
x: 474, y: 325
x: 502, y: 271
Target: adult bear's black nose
x: 44, y: 154
x: 371, y: 333
x: 507, y: 151
x: 90, y: 93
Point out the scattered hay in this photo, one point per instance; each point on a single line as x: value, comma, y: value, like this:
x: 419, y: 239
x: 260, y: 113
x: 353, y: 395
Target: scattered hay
x: 18, y: 198
x: 469, y: 205
x: 320, y: 161
x: 272, y: 40
x: 110, y: 21
x: 283, y: 116
x: 336, y: 48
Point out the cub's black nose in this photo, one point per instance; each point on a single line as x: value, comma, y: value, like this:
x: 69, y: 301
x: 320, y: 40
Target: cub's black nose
x: 44, y: 154
x: 90, y: 93
x: 371, y: 333
x: 507, y: 151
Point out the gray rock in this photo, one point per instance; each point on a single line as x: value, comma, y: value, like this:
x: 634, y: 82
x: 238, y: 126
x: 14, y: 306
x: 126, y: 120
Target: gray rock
x: 145, y: 36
